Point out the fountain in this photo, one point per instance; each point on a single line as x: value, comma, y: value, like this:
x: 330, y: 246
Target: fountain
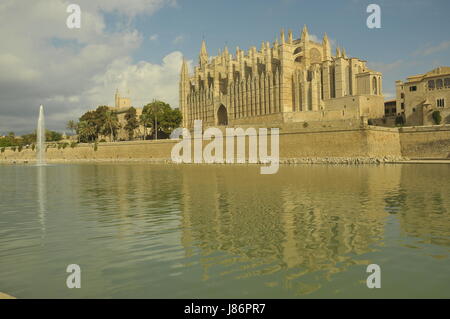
x: 40, y: 134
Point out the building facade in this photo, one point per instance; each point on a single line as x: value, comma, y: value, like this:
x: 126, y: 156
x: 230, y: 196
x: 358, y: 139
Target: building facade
x: 291, y: 81
x: 122, y: 105
x: 421, y: 95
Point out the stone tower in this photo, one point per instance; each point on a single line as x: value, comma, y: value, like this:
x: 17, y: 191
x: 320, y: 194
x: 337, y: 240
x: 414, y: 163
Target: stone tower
x: 121, y: 101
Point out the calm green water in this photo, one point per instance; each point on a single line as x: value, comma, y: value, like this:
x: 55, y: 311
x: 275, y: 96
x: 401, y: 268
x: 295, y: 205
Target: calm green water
x: 151, y: 231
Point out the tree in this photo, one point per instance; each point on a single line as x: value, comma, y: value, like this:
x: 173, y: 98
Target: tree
x: 161, y: 117
x: 132, y: 122
x: 146, y: 121
x: 88, y: 126
x: 29, y: 139
x: 86, y: 131
x: 52, y: 136
x: 110, y: 124
x: 72, y: 126
x: 101, y: 121
x: 437, y: 118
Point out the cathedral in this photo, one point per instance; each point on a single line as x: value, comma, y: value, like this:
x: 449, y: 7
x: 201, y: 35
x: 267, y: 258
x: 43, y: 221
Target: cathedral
x: 294, y: 80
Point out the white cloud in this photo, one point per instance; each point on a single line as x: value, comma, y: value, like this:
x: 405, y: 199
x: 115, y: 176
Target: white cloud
x: 128, y: 8
x: 388, y: 95
x: 386, y: 67
x: 153, y: 37
x: 144, y: 80
x: 317, y: 39
x: 178, y: 39
x: 73, y: 70
x: 444, y: 45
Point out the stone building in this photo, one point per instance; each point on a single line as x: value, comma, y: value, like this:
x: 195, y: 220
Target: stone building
x: 294, y: 80
x: 422, y: 94
x: 390, y: 108
x: 122, y: 105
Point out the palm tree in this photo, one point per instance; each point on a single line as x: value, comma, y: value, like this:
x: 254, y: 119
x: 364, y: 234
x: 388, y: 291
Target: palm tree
x: 111, y: 123
x: 147, y: 121
x: 85, y: 130
x: 72, y: 125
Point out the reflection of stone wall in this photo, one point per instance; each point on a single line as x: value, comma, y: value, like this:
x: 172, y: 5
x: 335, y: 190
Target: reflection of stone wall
x: 284, y: 223
x: 426, y: 203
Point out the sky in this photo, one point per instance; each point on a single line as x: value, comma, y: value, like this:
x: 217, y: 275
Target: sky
x: 138, y: 45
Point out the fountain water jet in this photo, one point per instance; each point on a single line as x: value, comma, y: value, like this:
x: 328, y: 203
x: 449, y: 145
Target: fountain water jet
x: 40, y: 159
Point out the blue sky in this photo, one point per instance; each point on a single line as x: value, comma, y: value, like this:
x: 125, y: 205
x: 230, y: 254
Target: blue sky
x: 409, y: 27
x: 138, y: 45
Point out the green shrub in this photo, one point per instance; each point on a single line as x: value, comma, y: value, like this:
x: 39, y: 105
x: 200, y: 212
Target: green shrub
x: 33, y: 147
x: 102, y: 140
x: 64, y: 145
x: 13, y: 148
x: 437, y: 118
x: 305, y: 124
x: 73, y: 144
x: 95, y: 147
x: 2, y: 150
x: 20, y: 148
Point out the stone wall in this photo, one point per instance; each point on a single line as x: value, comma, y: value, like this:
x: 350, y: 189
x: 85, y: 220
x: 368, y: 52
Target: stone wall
x: 425, y: 141
x: 137, y: 150
x: 295, y: 142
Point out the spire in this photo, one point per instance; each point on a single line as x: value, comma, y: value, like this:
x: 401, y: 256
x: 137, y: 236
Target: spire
x: 203, y: 49
x: 203, y: 57
x: 184, y: 70
x: 282, y: 36
x: 344, y: 54
x: 326, y: 47
x: 305, y: 35
x: 338, y: 52
x: 325, y: 38
x: 290, y: 37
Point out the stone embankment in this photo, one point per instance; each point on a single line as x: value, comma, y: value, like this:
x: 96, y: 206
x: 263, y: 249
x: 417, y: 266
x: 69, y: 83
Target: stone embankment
x: 344, y: 160
x: 369, y: 145
x: 283, y: 161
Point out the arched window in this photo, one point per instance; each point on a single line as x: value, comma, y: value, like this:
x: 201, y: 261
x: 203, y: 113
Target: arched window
x: 298, y: 59
x: 431, y: 85
x: 222, y: 116
x: 298, y: 50
x: 439, y: 84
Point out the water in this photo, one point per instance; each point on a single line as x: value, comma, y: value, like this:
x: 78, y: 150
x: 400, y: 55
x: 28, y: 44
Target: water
x: 153, y: 231
x: 40, y: 136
